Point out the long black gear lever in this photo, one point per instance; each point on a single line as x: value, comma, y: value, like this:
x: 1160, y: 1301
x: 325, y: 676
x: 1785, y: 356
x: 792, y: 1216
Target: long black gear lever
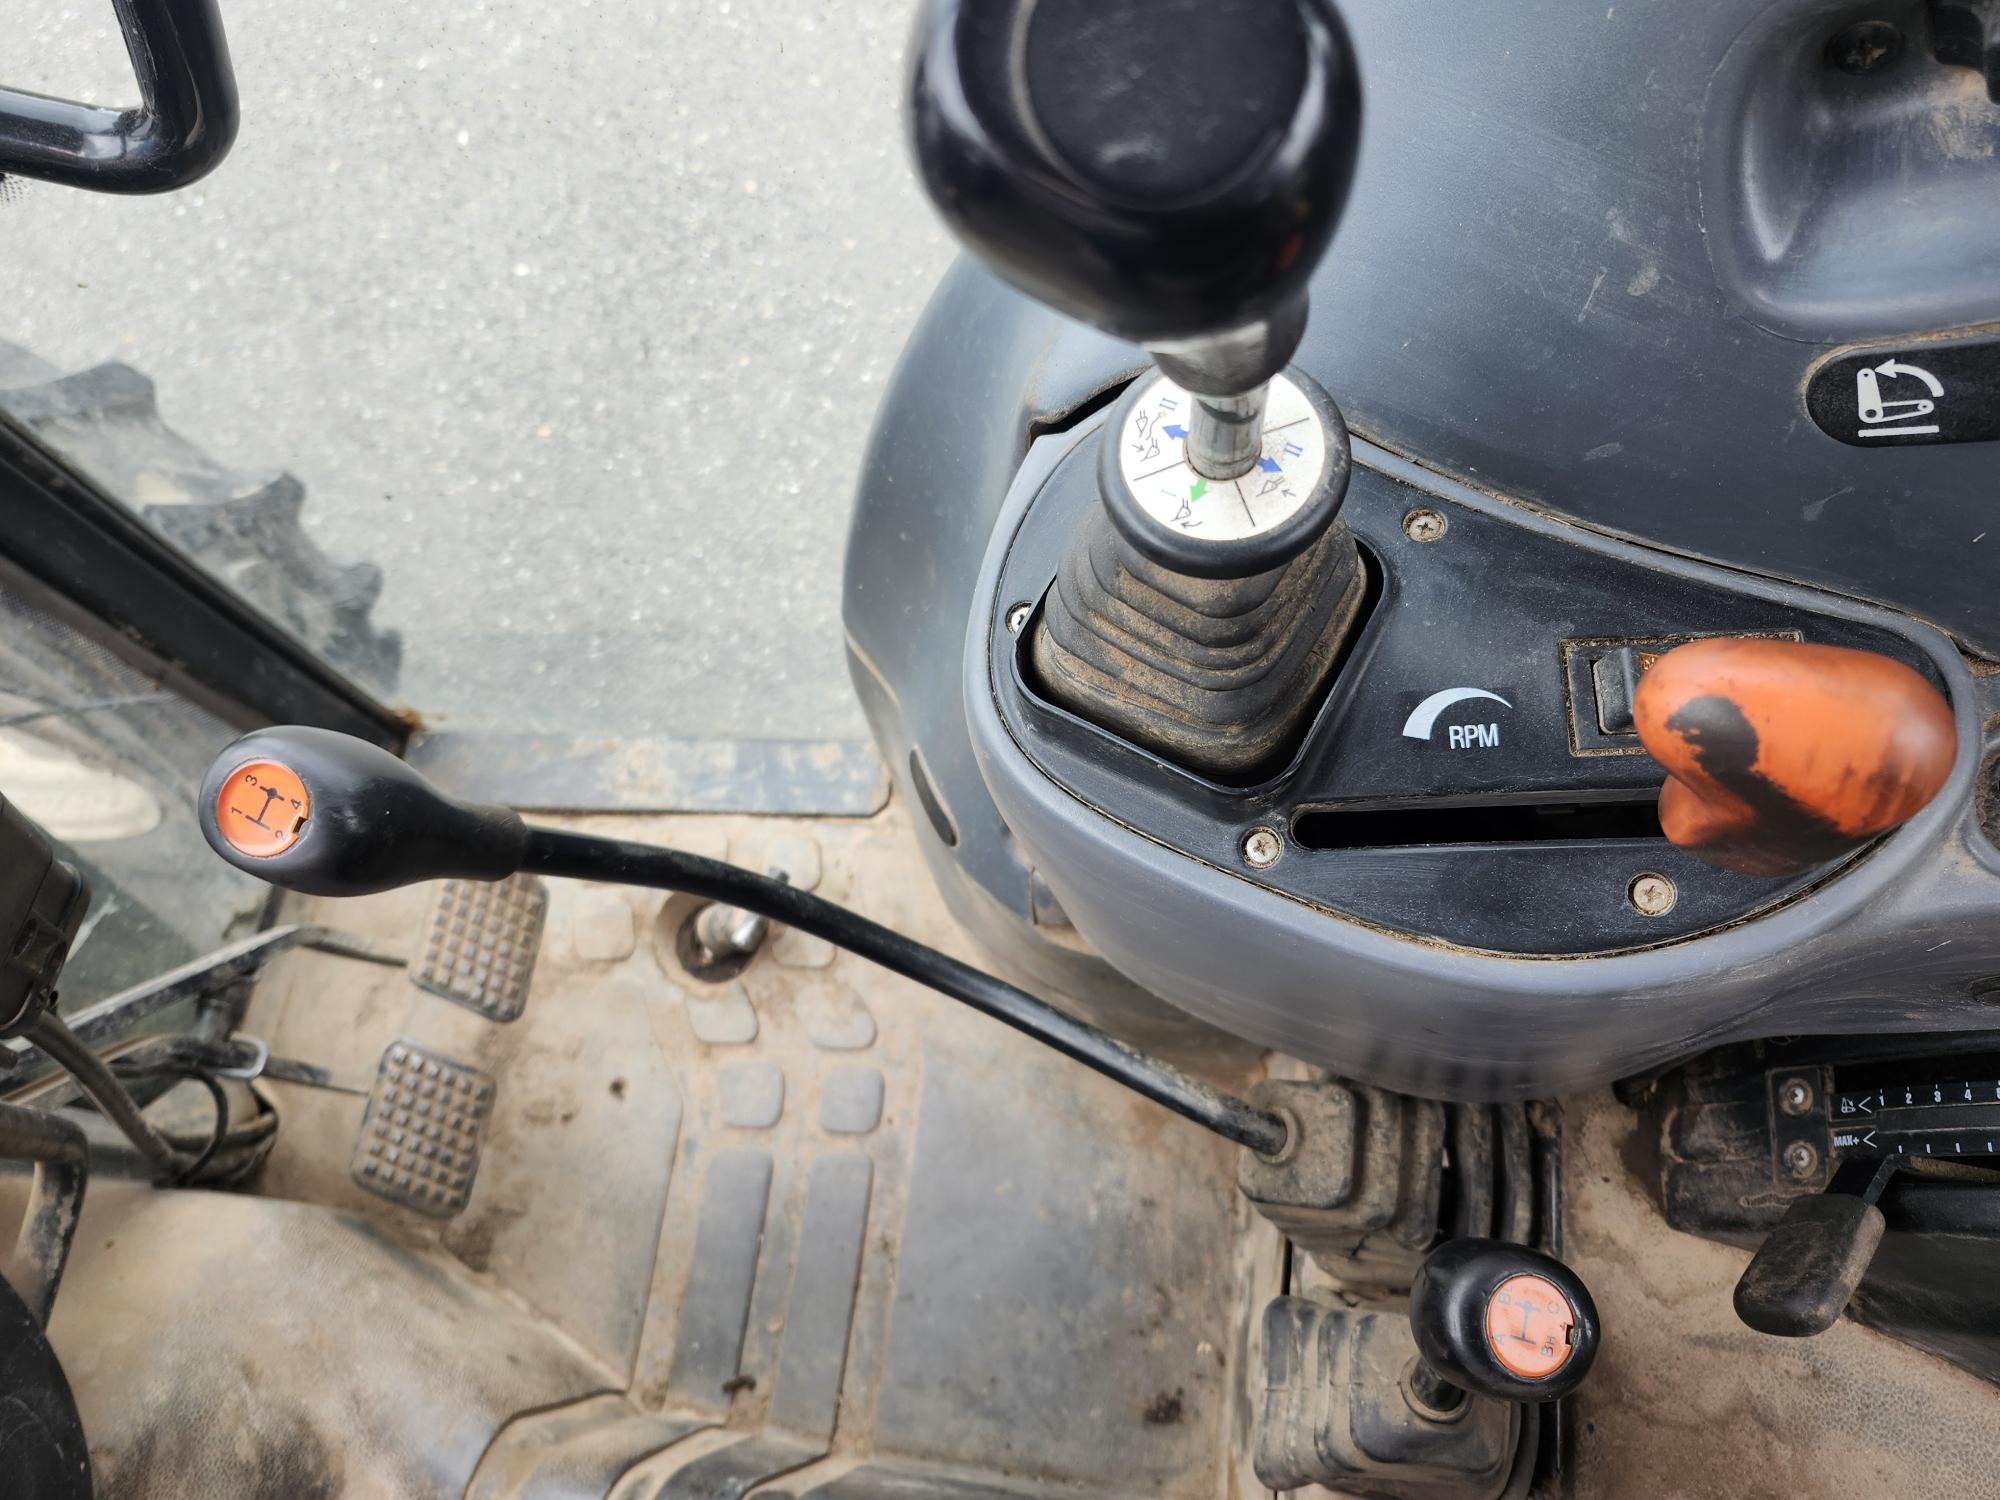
x: 330, y: 815
x: 1171, y: 171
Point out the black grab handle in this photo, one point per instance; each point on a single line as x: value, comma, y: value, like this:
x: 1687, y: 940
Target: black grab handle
x: 183, y: 126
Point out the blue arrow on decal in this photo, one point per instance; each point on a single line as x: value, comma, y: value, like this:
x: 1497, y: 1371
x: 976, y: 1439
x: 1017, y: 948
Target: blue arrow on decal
x: 1175, y: 432
x: 1268, y: 465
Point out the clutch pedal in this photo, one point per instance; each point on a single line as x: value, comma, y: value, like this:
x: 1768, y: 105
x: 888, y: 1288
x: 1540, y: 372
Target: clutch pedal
x: 480, y: 944
x: 421, y: 1134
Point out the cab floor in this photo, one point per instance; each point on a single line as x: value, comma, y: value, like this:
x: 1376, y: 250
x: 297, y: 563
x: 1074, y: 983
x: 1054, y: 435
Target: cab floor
x: 823, y: 1233
x: 819, y: 1233
x: 1685, y: 1403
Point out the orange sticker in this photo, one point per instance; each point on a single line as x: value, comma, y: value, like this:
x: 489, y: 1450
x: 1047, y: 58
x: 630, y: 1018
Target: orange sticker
x: 262, y: 808
x: 1530, y: 1325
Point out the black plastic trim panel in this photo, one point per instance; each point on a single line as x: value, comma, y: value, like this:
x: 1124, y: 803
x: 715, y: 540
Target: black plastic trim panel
x: 1494, y: 607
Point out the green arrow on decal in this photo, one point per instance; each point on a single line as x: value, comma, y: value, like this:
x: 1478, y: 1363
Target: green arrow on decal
x: 1200, y: 489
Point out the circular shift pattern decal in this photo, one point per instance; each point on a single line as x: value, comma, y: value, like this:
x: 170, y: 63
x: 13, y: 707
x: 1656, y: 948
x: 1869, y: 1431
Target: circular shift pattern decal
x: 262, y: 808
x: 1152, y: 455
x: 1530, y: 1323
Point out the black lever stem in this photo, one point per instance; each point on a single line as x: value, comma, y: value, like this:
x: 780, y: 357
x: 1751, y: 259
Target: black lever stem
x: 331, y: 815
x: 579, y: 856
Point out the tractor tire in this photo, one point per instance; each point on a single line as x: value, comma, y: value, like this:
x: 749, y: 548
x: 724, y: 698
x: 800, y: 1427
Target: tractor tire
x: 241, y: 525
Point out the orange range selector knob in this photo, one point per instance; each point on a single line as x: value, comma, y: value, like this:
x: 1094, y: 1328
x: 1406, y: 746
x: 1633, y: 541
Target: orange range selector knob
x: 1502, y: 1321
x: 1783, y: 755
x: 262, y: 808
x: 1530, y: 1325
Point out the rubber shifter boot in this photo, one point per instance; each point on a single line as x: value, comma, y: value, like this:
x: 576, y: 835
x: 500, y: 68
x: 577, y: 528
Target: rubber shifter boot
x: 1217, y: 675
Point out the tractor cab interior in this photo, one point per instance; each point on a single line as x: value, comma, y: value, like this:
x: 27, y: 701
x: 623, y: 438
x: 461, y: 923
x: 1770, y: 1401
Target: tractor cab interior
x: 1419, y: 915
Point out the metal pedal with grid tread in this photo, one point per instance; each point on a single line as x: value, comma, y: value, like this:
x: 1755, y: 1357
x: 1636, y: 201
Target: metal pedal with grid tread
x: 420, y: 1138
x: 480, y: 943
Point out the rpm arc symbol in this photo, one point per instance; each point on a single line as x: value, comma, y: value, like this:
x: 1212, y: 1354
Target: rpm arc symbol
x: 1423, y: 718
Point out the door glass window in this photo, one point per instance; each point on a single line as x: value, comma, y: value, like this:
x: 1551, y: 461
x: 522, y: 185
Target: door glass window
x: 519, y: 358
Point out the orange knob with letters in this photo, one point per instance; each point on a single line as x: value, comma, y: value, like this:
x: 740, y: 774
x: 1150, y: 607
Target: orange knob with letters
x: 1530, y: 1325
x: 1500, y: 1320
x: 1782, y: 755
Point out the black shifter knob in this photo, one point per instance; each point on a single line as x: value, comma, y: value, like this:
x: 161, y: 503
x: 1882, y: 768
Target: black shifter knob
x: 331, y: 815
x: 1168, y: 170
x: 1502, y: 1320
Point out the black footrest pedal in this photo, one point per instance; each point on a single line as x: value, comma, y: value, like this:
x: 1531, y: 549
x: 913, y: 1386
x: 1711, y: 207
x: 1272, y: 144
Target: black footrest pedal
x: 480, y: 943
x: 421, y: 1135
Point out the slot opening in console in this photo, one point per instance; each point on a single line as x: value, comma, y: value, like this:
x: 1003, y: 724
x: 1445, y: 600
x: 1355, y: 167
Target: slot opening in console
x: 1551, y: 822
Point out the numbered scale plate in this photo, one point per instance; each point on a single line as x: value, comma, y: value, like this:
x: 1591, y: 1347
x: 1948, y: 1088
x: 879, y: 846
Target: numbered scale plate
x: 1955, y: 1112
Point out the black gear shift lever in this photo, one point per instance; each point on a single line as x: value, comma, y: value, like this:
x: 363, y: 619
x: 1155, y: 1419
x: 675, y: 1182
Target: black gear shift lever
x: 1171, y: 171
x: 1168, y: 170
x: 330, y: 815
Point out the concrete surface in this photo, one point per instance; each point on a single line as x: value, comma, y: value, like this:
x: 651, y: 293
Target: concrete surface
x: 572, y: 318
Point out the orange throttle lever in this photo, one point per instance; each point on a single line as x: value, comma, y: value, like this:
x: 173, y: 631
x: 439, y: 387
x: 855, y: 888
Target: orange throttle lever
x: 1781, y: 756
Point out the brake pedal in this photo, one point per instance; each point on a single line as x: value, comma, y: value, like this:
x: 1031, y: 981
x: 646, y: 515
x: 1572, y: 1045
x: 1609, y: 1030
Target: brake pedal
x: 421, y: 1134
x: 480, y: 943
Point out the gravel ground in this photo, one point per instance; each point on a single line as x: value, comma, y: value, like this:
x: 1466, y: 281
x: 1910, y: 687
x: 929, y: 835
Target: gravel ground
x: 573, y: 318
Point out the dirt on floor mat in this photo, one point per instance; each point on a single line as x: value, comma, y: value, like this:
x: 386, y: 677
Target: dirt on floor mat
x: 828, y: 1231
x: 1686, y: 1403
